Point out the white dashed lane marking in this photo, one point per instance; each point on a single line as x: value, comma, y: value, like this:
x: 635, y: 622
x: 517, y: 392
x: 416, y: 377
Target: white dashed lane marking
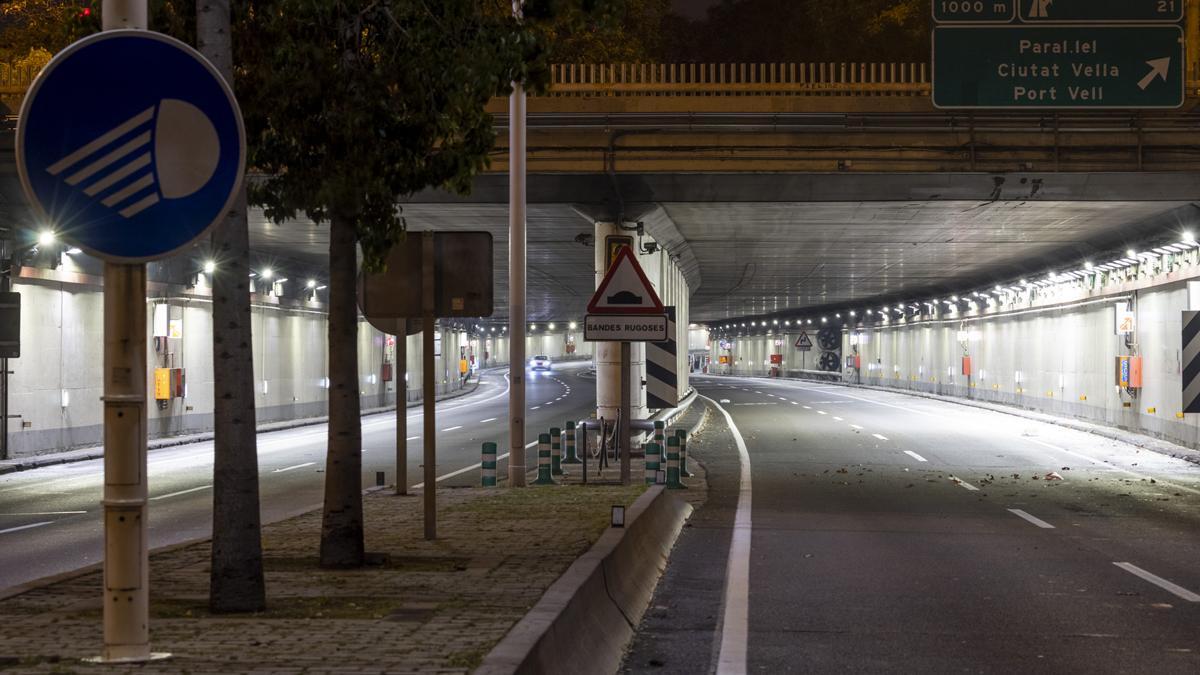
x: 1031, y: 518
x: 1172, y: 588
x: 964, y: 484
x: 26, y: 527
x: 181, y: 492
x: 293, y: 467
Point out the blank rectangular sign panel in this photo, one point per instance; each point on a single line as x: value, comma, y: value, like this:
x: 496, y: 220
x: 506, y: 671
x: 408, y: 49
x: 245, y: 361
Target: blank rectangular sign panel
x: 463, y: 278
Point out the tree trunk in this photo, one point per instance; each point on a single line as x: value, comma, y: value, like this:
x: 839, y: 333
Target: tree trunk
x: 236, y: 581
x: 342, y: 522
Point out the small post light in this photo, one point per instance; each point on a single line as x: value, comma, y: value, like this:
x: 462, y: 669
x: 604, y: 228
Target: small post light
x: 660, y: 477
x: 618, y: 516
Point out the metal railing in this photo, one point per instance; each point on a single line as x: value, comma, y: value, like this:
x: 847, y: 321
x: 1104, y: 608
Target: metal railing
x: 14, y: 80
x: 740, y: 79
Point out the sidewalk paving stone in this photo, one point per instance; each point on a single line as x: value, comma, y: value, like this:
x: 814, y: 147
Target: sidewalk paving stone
x: 427, y: 607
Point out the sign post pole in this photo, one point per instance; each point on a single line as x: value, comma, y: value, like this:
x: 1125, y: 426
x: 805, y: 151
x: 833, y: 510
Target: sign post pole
x: 126, y: 553
x: 430, y: 440
x: 625, y: 432
x: 126, y: 559
x: 516, y: 279
x: 401, y: 376
x: 85, y: 101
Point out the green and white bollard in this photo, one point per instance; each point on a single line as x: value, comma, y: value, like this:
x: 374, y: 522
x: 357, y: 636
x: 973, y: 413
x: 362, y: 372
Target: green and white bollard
x: 660, y: 434
x: 683, y: 470
x: 556, y: 451
x: 489, y: 464
x: 544, y: 477
x: 653, y: 456
x: 673, y: 482
x: 572, y: 455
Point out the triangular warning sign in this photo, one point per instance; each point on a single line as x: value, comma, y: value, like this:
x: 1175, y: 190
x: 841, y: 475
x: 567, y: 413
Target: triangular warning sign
x: 803, y: 342
x: 625, y: 289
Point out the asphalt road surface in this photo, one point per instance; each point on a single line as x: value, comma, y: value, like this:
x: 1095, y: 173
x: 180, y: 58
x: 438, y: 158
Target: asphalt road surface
x: 890, y: 533
x: 50, y: 518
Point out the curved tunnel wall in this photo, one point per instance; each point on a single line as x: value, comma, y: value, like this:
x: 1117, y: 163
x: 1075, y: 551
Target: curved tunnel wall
x: 1055, y: 359
x: 62, y: 351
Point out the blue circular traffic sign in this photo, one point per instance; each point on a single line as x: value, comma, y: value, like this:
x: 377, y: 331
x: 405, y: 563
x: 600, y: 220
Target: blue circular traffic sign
x: 130, y: 145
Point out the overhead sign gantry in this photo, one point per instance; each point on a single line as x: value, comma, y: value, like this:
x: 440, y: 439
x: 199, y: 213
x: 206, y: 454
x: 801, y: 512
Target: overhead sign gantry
x: 1063, y: 54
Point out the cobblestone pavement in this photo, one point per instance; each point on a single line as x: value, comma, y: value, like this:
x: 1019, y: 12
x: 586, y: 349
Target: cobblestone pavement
x: 429, y: 607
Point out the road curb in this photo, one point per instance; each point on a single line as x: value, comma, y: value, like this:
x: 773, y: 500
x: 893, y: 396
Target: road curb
x: 586, y: 618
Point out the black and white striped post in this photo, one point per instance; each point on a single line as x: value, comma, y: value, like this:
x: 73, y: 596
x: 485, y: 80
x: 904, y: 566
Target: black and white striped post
x: 544, y: 477
x: 488, y: 465
x: 556, y: 451
x: 1191, y: 362
x: 572, y: 456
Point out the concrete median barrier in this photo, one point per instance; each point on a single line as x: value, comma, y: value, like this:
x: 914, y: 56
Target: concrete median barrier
x: 584, y: 620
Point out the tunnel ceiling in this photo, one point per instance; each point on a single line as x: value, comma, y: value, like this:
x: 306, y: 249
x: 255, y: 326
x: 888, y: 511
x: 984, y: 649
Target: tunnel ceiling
x: 764, y: 257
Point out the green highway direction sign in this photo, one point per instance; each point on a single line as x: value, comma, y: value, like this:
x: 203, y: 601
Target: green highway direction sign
x: 1099, y: 11
x: 1019, y: 66
x: 1058, y: 11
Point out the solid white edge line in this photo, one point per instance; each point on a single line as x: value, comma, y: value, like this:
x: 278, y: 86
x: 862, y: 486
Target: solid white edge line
x: 472, y: 467
x: 1172, y: 588
x: 181, y: 492
x: 964, y: 483
x: 297, y: 466
x: 731, y: 659
x: 26, y: 527
x: 1031, y: 518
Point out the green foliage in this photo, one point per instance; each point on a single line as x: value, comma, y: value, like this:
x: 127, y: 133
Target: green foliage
x: 351, y: 104
x: 30, y: 25
x: 623, y: 31
x: 50, y: 25
x: 761, y: 31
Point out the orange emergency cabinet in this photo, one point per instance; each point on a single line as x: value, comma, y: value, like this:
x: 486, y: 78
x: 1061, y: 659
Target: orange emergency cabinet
x: 168, y: 383
x: 162, y: 384
x: 966, y: 366
x: 1135, y: 372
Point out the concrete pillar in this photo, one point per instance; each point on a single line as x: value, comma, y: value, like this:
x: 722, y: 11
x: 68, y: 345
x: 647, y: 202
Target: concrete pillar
x: 607, y: 354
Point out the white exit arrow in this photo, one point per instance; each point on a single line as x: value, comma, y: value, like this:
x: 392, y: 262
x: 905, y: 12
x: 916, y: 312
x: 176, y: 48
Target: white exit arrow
x: 1159, y: 68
